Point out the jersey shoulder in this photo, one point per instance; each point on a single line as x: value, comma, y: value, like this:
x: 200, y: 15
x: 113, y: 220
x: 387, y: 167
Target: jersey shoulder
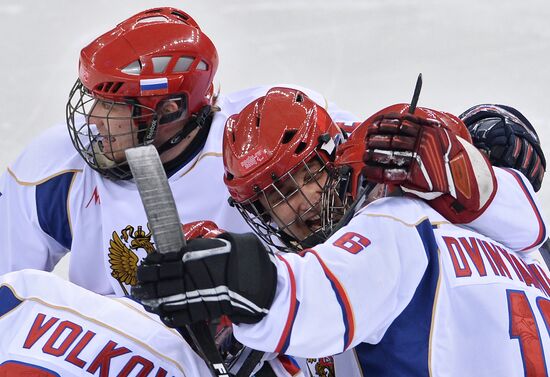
x: 234, y: 102
x: 409, y: 211
x: 32, y: 291
x: 56, y: 292
x: 228, y: 105
x: 50, y: 154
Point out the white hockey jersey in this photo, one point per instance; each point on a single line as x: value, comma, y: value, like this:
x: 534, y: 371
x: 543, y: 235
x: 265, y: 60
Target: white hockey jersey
x: 52, y: 202
x: 51, y: 327
x: 415, y: 295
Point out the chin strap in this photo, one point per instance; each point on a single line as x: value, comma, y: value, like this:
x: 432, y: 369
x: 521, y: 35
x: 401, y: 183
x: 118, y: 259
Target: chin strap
x: 197, y: 120
x: 356, y: 205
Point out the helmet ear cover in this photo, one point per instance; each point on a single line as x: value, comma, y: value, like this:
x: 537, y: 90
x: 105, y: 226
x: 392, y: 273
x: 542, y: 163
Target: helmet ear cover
x: 168, y: 117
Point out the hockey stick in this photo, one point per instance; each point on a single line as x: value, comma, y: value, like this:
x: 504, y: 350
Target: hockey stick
x: 416, y: 94
x: 163, y: 218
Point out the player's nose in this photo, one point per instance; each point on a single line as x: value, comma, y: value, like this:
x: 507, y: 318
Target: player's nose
x: 96, y: 121
x: 311, y: 195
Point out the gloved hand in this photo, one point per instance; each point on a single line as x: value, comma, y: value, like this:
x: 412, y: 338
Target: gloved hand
x: 201, y: 229
x: 424, y: 154
x: 230, y: 275
x: 508, y: 144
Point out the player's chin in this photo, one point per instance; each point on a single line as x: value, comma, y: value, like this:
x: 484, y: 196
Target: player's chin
x: 117, y: 155
x: 312, y: 228
x: 313, y: 225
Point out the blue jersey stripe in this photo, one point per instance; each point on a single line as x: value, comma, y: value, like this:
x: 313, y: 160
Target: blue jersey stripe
x: 287, y: 340
x: 341, y: 297
x: 51, y: 207
x: 8, y: 301
x: 404, y: 349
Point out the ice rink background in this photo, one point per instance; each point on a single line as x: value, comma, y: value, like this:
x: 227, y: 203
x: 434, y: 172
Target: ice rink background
x: 362, y: 54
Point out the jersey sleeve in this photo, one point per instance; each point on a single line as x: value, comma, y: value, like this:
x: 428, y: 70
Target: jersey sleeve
x: 23, y: 244
x: 337, y: 114
x: 514, y: 217
x: 345, y: 291
x: 35, y: 229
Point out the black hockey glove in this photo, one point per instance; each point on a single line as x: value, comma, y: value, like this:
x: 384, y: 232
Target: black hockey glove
x: 508, y: 139
x: 231, y: 275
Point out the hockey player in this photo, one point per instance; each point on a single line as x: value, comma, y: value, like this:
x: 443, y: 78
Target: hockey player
x: 147, y: 81
x: 51, y: 327
x: 413, y: 293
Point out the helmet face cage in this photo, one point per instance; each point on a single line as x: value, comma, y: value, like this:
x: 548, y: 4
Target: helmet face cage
x: 337, y: 196
x: 138, y: 128
x: 277, y: 231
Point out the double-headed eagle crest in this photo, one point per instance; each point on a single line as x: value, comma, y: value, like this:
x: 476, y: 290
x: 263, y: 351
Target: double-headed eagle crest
x: 122, y: 259
x: 323, y: 366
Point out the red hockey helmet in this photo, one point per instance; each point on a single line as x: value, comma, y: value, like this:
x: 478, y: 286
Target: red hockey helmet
x: 151, y: 55
x: 266, y: 144
x: 156, y: 55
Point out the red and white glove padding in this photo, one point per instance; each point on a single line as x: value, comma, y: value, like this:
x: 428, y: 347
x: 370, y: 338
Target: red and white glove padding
x: 429, y: 155
x: 201, y: 229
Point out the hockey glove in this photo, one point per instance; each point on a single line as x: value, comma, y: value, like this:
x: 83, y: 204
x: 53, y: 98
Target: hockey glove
x: 201, y: 229
x: 423, y: 155
x: 508, y: 144
x: 231, y: 275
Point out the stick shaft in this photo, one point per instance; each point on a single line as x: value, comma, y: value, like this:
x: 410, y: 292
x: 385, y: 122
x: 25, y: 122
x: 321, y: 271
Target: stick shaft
x: 162, y: 215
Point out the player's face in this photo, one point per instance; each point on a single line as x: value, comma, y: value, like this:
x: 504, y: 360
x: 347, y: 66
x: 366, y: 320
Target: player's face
x: 115, y: 128
x: 295, y: 203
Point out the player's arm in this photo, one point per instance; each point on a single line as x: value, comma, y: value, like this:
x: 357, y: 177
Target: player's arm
x: 514, y: 217
x: 344, y: 292
x: 305, y: 305
x: 23, y: 243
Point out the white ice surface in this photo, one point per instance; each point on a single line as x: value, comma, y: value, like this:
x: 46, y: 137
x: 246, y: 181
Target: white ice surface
x: 362, y: 54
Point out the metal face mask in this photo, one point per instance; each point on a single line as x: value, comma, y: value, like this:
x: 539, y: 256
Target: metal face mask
x: 102, y: 129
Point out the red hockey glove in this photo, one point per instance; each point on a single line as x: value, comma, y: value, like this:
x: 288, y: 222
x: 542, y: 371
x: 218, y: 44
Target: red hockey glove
x: 423, y: 154
x: 201, y: 229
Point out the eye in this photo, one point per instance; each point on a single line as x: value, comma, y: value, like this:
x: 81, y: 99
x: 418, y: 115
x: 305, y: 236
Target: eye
x: 308, y: 178
x: 288, y: 187
x: 312, y: 172
x: 105, y: 105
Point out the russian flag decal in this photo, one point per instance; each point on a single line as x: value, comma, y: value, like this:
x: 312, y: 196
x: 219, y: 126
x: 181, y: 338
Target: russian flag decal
x: 151, y: 87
